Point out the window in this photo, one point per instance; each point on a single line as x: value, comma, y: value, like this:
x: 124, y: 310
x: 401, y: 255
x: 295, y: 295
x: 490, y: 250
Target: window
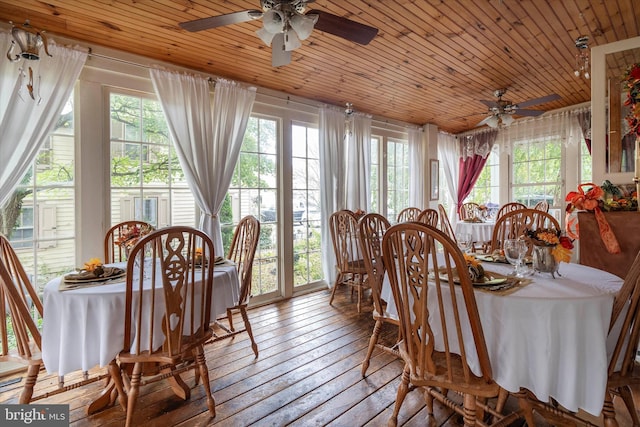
x: 22, y: 234
x: 147, y: 182
x: 39, y: 218
x: 537, y: 166
x: 307, y: 254
x: 397, y: 168
x: 487, y: 187
x: 253, y: 191
x: 389, y: 175
x: 585, y: 163
x: 374, y: 170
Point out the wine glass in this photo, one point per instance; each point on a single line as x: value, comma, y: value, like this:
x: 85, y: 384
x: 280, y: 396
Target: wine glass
x: 514, y: 251
x: 464, y: 242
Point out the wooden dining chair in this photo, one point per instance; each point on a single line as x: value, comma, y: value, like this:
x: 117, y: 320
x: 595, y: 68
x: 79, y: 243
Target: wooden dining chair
x: 348, y: 251
x: 434, y: 309
x: 113, y: 250
x: 542, y: 205
x: 241, y: 252
x: 17, y: 295
x: 408, y: 214
x: 468, y: 210
x: 429, y: 217
x: 624, y: 331
x: 166, y: 325
x: 509, y: 207
x: 512, y: 225
x: 371, y: 229
x: 445, y: 224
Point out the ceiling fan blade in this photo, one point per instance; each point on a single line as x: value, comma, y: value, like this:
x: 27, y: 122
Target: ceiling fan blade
x: 343, y: 27
x: 490, y: 104
x: 530, y: 113
x: 544, y: 99
x: 279, y: 55
x: 221, y: 20
x: 484, y: 121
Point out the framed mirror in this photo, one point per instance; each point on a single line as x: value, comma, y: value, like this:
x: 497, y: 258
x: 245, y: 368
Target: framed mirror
x: 613, y: 147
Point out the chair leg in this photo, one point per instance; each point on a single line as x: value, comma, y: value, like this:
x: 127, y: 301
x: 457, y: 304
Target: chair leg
x: 502, y: 400
x: 608, y: 411
x: 247, y: 326
x: 335, y: 286
x: 372, y: 344
x: 133, y: 392
x: 403, y: 389
x: 30, y: 382
x: 116, y: 377
x: 526, y: 407
x: 204, y: 373
x: 469, y: 410
x: 230, y: 318
x: 627, y: 398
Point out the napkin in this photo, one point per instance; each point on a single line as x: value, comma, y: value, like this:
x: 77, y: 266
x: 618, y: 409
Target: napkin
x: 105, y: 273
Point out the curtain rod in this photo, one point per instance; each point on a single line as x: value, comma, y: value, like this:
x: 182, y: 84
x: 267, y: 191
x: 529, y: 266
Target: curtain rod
x: 135, y: 64
x: 285, y: 97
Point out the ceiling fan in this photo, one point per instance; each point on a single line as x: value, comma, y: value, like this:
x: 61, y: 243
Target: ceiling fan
x: 285, y: 23
x: 502, y: 111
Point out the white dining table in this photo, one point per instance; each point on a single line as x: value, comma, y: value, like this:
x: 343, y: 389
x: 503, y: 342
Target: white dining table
x: 480, y: 232
x: 83, y: 328
x: 549, y: 336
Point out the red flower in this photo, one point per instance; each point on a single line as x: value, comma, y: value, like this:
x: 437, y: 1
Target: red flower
x: 634, y: 73
x: 566, y: 242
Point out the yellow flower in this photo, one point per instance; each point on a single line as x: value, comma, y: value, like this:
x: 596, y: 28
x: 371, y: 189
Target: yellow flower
x: 548, y: 237
x: 198, y: 251
x: 92, y: 264
x: 561, y: 253
x: 471, y: 260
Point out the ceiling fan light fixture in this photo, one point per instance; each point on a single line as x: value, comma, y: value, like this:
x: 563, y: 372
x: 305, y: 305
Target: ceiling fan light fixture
x: 291, y: 41
x: 507, y: 119
x: 493, y: 121
x: 303, y: 24
x: 265, y: 36
x: 273, y: 21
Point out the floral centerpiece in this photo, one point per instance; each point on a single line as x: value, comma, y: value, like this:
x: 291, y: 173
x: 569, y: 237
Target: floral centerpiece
x: 132, y: 235
x: 631, y: 81
x: 561, y: 246
x: 550, y: 248
x: 359, y: 213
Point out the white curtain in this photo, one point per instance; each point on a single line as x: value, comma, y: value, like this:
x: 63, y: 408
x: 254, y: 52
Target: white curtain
x: 548, y: 127
x: 25, y: 123
x: 207, y: 138
x: 417, y: 173
x: 358, y: 162
x: 332, y: 178
x: 449, y: 156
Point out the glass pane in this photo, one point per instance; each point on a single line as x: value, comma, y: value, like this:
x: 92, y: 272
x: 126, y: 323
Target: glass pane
x: 125, y: 117
x: 155, y: 127
x: 125, y: 165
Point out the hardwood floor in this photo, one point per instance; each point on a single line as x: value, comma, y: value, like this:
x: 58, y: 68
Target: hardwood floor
x: 307, y: 373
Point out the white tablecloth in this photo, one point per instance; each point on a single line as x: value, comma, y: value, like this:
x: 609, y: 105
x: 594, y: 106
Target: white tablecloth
x: 480, y: 231
x: 83, y: 328
x: 550, y: 336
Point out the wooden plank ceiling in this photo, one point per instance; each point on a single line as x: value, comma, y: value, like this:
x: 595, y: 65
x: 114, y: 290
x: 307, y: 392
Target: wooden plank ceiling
x: 431, y: 62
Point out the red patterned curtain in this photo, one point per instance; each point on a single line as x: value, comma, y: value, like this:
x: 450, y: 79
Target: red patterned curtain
x: 475, y: 150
